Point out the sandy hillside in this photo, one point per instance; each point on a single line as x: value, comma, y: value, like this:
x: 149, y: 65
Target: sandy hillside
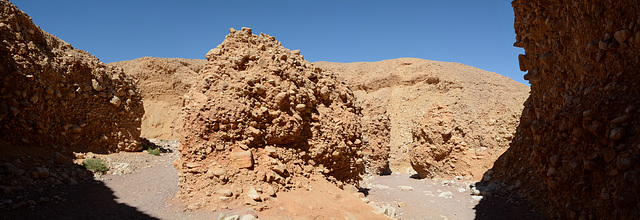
x: 482, y: 107
x: 162, y: 83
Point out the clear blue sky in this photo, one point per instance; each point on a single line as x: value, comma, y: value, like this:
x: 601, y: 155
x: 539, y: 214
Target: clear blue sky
x: 472, y: 32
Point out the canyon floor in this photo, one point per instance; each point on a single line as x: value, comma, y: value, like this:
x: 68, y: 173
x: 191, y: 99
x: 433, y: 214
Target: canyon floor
x: 142, y: 186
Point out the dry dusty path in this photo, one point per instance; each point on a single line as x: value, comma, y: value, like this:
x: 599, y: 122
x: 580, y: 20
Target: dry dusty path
x: 146, y: 191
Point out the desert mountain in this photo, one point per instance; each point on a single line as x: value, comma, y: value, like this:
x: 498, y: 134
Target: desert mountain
x: 444, y: 118
x: 162, y: 82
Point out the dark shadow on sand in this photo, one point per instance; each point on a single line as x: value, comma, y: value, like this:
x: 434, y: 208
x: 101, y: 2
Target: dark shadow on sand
x: 90, y: 200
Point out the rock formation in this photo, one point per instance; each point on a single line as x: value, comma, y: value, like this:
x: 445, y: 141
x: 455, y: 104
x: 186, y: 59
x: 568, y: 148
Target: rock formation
x: 577, y: 145
x: 56, y: 100
x: 261, y: 119
x: 441, y: 119
x: 162, y: 82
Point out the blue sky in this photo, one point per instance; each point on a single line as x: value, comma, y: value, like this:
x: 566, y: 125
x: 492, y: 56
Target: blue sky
x: 472, y: 32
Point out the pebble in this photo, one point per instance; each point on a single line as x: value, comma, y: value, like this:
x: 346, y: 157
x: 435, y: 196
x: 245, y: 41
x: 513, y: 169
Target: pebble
x: 477, y: 198
x: 225, y: 192
x: 446, y: 194
x: 253, y: 194
x: 115, y: 101
x: 43, y: 173
x: 405, y: 188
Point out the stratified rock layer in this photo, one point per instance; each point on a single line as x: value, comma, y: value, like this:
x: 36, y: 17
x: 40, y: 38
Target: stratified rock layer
x: 576, y: 151
x: 55, y: 96
x: 262, y: 119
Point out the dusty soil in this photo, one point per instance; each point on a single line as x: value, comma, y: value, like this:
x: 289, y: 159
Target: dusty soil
x: 147, y: 192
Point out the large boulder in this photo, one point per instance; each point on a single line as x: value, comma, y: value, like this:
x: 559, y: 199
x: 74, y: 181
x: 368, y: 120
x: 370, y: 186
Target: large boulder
x: 261, y: 119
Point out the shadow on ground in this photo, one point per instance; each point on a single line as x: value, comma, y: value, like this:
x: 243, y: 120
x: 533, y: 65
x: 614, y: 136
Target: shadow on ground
x: 90, y: 200
x: 504, y: 208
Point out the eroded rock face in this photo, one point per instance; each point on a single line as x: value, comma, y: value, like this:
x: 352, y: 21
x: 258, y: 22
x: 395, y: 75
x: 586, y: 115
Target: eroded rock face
x: 262, y: 119
x: 577, y: 146
x: 162, y: 83
x: 441, y: 119
x: 58, y: 97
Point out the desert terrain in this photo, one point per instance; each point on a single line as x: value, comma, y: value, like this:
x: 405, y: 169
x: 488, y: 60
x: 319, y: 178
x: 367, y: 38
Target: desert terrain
x: 254, y: 131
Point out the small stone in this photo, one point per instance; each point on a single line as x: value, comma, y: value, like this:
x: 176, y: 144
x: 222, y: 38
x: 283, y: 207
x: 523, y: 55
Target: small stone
x: 446, y: 194
x: 96, y: 85
x: 233, y: 217
x: 279, y: 169
x: 271, y: 191
x: 242, y: 159
x: 477, y: 198
x: 622, y: 35
x: 58, y: 158
x: 225, y: 192
x: 296, y: 52
x: 620, y: 119
x: 115, y: 101
x: 300, y: 107
x: 271, y: 151
x: 616, y: 134
x: 405, y: 188
x: 253, y: 194
x: 248, y: 217
x: 43, y: 173
x: 76, y: 129
x: 350, y: 189
x: 402, y: 204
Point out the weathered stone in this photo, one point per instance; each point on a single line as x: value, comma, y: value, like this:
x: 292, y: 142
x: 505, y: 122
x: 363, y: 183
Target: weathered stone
x: 253, y: 194
x: 242, y: 159
x: 115, y: 101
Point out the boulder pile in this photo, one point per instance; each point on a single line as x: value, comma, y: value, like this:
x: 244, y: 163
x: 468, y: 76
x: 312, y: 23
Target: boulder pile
x: 260, y: 120
x: 577, y: 147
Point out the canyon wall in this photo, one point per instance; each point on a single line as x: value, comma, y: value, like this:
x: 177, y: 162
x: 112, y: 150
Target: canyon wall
x: 162, y: 83
x: 576, y: 150
x: 56, y: 100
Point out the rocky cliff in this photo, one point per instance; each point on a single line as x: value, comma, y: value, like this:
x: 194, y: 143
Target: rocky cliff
x: 56, y: 100
x: 576, y: 151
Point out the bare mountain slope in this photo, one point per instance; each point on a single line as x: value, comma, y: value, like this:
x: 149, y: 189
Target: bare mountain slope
x: 445, y: 118
x: 162, y: 83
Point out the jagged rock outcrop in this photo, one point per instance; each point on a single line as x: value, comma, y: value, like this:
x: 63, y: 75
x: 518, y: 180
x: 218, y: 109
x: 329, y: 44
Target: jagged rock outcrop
x: 162, y: 83
x: 56, y: 95
x: 577, y: 145
x: 56, y: 100
x: 441, y: 119
x: 261, y: 119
